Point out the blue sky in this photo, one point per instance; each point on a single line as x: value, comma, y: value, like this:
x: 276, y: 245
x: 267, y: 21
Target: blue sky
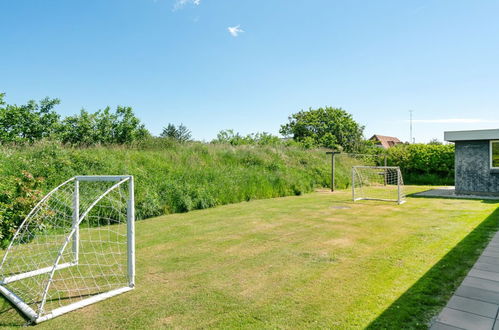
x: 177, y: 61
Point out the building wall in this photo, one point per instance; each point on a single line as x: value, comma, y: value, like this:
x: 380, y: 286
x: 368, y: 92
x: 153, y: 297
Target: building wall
x: 473, y: 173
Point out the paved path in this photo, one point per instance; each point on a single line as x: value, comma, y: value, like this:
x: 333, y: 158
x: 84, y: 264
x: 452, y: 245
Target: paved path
x: 475, y: 304
x: 450, y: 192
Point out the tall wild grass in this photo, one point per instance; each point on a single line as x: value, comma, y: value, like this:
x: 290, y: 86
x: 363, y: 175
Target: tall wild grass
x: 170, y: 177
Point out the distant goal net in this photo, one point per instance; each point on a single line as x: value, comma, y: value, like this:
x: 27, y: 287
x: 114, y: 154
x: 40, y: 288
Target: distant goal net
x: 383, y: 183
x: 75, y: 248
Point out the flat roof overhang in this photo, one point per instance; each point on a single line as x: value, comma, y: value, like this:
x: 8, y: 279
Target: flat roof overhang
x: 484, y: 134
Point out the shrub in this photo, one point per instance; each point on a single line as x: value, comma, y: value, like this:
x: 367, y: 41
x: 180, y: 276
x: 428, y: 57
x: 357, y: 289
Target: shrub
x: 424, y: 163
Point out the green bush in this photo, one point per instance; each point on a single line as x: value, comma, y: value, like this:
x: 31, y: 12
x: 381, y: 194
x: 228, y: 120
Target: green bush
x: 424, y: 163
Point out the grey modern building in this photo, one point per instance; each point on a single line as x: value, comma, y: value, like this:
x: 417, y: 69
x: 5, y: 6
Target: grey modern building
x: 477, y: 161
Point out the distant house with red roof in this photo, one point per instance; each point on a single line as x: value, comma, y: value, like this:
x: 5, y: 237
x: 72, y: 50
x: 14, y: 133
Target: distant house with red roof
x: 385, y: 142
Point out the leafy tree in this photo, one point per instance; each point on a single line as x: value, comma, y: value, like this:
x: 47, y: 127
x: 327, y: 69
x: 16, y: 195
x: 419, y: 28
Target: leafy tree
x: 28, y: 123
x: 230, y: 137
x: 435, y: 142
x: 36, y: 121
x: 80, y: 129
x: 103, y: 126
x: 325, y: 127
x: 105, y: 123
x: 180, y: 133
x: 266, y: 139
x: 128, y: 127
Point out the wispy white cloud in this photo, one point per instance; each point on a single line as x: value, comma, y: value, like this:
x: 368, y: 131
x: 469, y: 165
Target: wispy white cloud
x: 179, y: 4
x: 235, y: 30
x: 456, y: 121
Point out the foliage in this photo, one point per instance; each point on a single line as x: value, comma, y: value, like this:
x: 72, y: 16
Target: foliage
x: 263, y: 139
x: 37, y: 121
x: 180, y: 133
x: 325, y: 127
x: 103, y: 127
x: 435, y: 142
x: 30, y: 122
x: 16, y: 200
x: 424, y: 163
x: 171, y: 177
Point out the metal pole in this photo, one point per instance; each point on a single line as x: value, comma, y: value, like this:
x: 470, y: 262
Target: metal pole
x: 131, y: 233
x: 353, y: 184
x: 76, y: 218
x: 333, y: 165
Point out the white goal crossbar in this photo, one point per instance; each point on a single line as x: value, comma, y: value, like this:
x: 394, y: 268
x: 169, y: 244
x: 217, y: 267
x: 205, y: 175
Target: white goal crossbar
x: 95, y: 216
x: 381, y: 183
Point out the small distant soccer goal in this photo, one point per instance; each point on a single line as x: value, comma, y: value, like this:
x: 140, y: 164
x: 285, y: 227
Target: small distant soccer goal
x: 383, y: 183
x: 75, y: 248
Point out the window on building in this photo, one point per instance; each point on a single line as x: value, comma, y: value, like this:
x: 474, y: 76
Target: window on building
x: 494, y: 154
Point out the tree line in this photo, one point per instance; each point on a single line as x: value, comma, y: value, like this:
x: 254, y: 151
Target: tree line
x: 327, y: 127
x: 38, y: 120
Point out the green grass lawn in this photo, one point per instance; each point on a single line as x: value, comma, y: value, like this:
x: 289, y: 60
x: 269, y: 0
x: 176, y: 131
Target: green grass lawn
x: 312, y: 261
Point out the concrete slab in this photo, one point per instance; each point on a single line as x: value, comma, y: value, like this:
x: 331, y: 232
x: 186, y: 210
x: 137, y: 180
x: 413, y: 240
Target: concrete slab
x: 478, y: 294
x: 493, y: 276
x: 489, y: 260
x: 486, y: 266
x: 489, y: 253
x: 492, y: 248
x: 441, y: 326
x: 465, y: 320
x: 473, y: 306
x: 450, y: 192
x: 481, y: 283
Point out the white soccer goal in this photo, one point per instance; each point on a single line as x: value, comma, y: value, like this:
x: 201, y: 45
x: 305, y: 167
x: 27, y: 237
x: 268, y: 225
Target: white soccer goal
x: 76, y: 247
x: 384, y: 183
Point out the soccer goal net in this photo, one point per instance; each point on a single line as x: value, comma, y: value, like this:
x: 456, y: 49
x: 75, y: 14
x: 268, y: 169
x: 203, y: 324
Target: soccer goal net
x: 75, y: 248
x: 382, y: 183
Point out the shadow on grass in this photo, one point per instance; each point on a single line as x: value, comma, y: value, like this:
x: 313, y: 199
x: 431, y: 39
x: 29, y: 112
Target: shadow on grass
x: 10, y: 316
x: 415, y: 308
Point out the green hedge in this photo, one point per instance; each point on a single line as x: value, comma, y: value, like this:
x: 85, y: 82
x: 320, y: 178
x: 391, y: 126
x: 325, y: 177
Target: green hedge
x: 423, y: 163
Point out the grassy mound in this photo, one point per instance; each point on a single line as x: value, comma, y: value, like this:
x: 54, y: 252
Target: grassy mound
x: 170, y: 177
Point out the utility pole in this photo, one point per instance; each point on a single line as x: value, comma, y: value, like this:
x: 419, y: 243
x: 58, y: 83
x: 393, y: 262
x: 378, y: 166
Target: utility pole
x: 410, y: 112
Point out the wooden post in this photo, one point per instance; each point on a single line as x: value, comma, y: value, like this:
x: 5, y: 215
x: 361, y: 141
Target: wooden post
x: 333, y: 165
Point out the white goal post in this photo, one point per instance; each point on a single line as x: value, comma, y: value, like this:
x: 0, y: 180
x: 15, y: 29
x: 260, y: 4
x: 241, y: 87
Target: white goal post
x: 76, y: 247
x: 382, y: 183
